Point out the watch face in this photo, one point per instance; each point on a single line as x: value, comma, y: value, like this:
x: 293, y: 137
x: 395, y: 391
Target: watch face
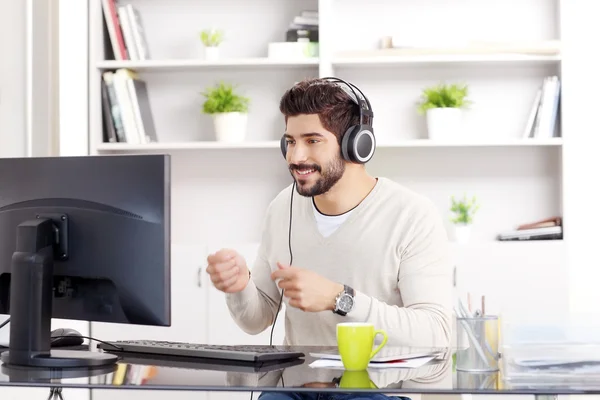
x: 346, y: 302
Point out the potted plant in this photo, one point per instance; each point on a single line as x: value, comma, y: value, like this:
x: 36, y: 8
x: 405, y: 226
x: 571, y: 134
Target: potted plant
x: 211, y: 38
x: 229, y: 111
x: 443, y: 105
x: 463, y: 211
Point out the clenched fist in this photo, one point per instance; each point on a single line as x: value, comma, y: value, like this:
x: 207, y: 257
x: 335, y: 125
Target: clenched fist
x: 306, y: 289
x: 228, y: 271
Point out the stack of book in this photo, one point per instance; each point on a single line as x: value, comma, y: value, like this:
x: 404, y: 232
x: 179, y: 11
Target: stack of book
x: 126, y: 110
x: 125, y: 30
x: 546, y: 229
x: 301, y: 38
x: 304, y: 27
x: 543, y: 116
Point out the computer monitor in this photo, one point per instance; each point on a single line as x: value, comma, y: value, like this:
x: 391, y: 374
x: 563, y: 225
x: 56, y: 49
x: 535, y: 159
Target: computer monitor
x: 82, y: 238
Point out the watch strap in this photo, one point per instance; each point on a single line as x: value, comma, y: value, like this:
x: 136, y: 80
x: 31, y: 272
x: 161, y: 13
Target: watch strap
x: 349, y: 290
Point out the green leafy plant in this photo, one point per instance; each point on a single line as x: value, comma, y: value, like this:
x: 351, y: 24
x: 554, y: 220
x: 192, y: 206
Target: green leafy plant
x: 211, y: 37
x: 443, y: 96
x: 463, y: 209
x: 222, y: 98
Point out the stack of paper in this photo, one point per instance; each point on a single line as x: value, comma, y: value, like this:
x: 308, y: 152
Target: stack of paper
x: 392, y: 358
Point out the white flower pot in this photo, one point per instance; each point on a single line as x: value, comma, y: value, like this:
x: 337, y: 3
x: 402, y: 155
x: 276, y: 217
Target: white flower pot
x: 211, y: 53
x: 444, y: 123
x: 462, y: 233
x: 230, y: 127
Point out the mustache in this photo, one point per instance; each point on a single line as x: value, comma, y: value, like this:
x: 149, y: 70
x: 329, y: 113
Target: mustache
x: 305, y: 166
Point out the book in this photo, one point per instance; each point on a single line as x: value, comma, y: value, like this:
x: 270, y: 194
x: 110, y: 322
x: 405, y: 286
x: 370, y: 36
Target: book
x: 553, y: 221
x: 545, y: 233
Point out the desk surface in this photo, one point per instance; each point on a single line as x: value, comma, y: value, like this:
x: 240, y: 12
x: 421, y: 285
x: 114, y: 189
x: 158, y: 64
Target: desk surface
x: 162, y: 373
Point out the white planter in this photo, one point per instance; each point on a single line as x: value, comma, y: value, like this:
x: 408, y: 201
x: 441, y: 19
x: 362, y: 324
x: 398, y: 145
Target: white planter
x: 211, y: 53
x: 444, y: 123
x: 462, y: 233
x: 230, y: 127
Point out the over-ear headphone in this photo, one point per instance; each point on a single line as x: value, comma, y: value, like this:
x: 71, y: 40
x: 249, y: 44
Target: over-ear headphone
x: 358, y: 142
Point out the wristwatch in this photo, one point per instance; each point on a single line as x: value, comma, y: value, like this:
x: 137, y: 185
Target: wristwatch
x: 344, y: 302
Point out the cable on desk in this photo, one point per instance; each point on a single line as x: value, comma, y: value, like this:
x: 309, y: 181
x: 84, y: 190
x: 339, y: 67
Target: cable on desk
x: 3, y: 324
x: 91, y: 338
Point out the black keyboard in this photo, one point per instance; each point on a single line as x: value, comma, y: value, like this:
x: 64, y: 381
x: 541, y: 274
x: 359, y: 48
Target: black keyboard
x: 246, y: 353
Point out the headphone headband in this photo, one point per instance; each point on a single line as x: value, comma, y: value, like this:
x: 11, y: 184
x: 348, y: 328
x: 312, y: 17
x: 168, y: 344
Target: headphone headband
x: 364, y: 105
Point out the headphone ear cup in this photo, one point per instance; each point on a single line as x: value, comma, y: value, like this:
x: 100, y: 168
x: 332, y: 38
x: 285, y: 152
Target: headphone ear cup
x: 283, y: 146
x: 347, y: 145
x: 364, y: 144
x: 358, y: 144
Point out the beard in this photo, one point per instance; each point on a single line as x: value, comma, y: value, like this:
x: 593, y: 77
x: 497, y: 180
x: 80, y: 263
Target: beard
x: 326, y: 177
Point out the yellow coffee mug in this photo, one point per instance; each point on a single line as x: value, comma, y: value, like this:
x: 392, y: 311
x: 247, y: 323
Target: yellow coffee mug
x: 355, y: 344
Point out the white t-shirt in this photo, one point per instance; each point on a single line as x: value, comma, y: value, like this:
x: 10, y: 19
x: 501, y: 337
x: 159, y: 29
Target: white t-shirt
x: 327, y: 224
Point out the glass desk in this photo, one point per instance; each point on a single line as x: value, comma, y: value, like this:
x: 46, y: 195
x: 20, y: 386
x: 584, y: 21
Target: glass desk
x: 154, y: 373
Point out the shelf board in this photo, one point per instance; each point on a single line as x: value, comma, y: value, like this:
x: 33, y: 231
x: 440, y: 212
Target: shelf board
x: 433, y: 59
x: 473, y: 143
x: 491, y: 245
x: 183, y: 64
x: 201, y: 145
x: 350, y: 61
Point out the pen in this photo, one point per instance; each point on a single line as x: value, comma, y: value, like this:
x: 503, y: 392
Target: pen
x: 469, y: 301
x: 482, y: 305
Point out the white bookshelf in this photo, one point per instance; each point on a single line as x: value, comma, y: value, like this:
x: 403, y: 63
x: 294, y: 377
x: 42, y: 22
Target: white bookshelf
x: 524, y: 181
x: 517, y: 180
x: 373, y: 60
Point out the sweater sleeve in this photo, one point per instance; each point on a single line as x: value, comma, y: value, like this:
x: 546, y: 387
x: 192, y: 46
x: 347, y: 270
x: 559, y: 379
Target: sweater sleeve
x: 254, y: 308
x: 425, y: 285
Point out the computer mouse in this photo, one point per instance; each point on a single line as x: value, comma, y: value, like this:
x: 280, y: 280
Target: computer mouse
x: 63, y: 337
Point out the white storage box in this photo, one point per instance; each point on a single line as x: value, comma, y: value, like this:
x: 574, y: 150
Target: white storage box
x: 558, y: 353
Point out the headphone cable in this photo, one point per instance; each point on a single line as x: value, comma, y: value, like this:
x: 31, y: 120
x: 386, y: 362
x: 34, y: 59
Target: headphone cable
x: 281, y: 295
x: 291, y: 259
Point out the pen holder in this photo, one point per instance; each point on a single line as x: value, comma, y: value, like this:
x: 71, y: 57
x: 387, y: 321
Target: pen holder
x: 477, y: 347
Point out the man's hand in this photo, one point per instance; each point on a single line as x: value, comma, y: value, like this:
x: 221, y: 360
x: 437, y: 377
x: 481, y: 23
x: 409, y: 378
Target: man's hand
x: 306, y: 290
x: 228, y: 271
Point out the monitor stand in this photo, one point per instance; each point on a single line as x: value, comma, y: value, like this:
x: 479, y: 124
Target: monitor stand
x: 39, y: 242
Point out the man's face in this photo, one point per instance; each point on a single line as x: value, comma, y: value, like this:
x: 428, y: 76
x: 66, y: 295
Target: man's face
x: 313, y: 155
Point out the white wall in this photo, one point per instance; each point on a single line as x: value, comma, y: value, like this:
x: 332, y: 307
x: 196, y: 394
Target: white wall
x: 581, y: 161
x: 42, y: 78
x: 28, y: 79
x: 12, y: 78
x: 12, y: 90
x: 28, y: 117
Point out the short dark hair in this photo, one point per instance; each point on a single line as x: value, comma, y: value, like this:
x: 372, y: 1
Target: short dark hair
x: 336, y: 109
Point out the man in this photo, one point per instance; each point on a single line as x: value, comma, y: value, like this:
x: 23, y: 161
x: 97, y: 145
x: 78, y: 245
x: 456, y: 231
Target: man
x: 359, y: 248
